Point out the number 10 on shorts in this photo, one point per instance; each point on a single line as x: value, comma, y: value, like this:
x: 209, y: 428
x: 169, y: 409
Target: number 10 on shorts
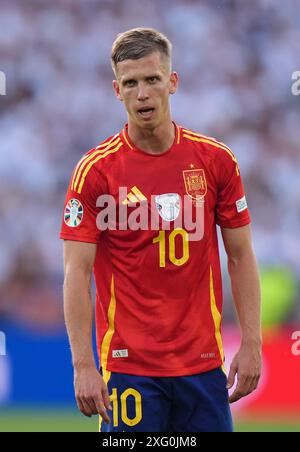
x: 120, y: 408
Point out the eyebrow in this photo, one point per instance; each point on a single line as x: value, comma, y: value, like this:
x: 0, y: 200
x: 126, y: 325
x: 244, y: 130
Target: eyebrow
x: 127, y: 80
x: 145, y: 78
x: 153, y: 76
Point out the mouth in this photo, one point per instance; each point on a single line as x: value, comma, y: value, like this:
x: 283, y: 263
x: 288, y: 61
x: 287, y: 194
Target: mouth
x: 146, y: 112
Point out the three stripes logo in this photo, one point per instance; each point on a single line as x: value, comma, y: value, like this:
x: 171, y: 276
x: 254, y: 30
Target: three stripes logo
x: 134, y: 196
x: 120, y: 354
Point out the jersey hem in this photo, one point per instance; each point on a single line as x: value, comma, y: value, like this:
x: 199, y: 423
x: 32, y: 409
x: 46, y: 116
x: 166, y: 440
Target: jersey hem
x: 77, y: 239
x: 165, y: 372
x: 234, y: 224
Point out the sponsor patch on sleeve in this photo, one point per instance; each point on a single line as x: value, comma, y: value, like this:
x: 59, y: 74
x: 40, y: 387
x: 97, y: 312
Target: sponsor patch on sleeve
x: 241, y: 205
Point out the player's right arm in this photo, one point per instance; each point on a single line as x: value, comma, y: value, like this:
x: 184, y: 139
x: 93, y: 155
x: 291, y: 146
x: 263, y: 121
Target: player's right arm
x: 81, y: 237
x: 90, y: 390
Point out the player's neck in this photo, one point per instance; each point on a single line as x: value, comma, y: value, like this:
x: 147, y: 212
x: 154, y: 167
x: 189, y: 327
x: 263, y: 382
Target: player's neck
x: 153, y: 141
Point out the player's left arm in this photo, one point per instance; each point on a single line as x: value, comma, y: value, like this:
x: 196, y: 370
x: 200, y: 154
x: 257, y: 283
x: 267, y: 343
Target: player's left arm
x: 244, y: 275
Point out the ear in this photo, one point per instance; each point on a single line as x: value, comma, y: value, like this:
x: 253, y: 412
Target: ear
x: 116, y: 88
x: 174, y: 79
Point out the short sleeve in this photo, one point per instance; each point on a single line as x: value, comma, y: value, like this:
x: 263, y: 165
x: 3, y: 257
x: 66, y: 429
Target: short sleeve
x: 80, y: 211
x: 231, y: 208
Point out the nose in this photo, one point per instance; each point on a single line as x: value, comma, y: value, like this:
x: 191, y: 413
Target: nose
x: 142, y: 92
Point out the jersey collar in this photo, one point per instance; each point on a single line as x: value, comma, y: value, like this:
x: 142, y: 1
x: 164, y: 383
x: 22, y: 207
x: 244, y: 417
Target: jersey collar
x: 130, y: 145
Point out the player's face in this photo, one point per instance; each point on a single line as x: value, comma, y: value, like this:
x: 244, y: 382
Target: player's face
x: 144, y: 86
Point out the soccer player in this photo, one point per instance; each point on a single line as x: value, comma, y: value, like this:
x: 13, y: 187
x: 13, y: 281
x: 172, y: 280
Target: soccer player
x: 159, y: 293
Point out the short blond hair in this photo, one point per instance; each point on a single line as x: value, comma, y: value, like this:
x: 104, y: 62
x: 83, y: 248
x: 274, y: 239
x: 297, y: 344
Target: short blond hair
x: 138, y: 43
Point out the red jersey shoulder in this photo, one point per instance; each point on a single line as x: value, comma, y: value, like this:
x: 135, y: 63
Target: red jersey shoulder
x: 94, y: 161
x: 219, y: 152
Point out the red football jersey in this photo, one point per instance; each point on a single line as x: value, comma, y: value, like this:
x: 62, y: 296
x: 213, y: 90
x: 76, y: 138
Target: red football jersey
x: 159, y: 288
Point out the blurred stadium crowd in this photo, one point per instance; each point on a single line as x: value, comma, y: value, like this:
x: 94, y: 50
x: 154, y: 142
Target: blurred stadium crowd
x: 235, y: 59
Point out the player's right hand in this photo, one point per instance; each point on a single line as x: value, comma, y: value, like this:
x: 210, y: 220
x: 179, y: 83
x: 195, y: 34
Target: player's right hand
x: 91, y: 393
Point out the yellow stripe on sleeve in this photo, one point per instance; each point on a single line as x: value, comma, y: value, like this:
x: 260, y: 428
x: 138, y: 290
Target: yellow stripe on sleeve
x: 104, y: 145
x: 215, y: 144
x: 199, y: 135
x: 87, y: 169
x: 88, y: 158
x: 213, y: 140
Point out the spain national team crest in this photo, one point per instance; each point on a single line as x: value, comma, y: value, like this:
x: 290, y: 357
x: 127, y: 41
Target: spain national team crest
x: 168, y: 206
x: 73, y: 213
x: 195, y: 183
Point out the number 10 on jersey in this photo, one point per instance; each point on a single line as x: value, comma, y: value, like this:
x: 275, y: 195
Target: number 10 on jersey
x: 178, y: 238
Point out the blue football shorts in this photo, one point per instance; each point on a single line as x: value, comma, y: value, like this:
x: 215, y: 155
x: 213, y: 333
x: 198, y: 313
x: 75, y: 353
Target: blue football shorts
x: 195, y: 403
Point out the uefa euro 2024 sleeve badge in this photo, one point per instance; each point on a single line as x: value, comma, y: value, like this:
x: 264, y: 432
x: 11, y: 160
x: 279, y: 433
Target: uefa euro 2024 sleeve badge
x: 73, y: 213
x: 195, y: 185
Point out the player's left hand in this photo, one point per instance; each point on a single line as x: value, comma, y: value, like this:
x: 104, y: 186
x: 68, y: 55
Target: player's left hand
x: 247, y: 365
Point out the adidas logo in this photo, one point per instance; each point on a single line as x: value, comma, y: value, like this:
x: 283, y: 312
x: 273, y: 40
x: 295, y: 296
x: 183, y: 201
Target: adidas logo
x: 120, y: 354
x: 134, y: 196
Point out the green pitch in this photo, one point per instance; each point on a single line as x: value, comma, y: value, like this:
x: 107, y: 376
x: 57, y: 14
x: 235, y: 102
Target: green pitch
x: 71, y: 421
x: 44, y: 420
